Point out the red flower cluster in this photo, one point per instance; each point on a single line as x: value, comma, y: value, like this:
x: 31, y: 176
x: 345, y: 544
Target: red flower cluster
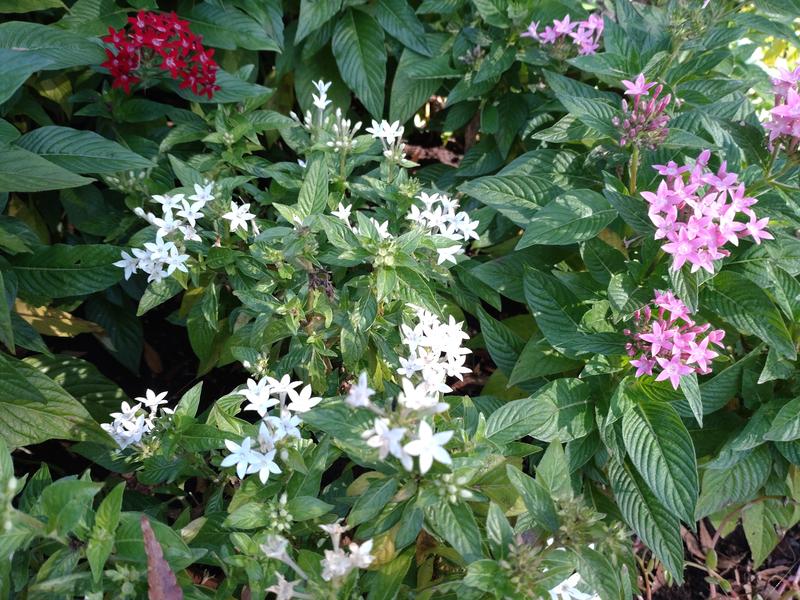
x: 163, y: 41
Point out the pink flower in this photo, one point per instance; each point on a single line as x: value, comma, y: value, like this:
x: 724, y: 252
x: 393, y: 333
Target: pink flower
x: 659, y: 338
x: 682, y: 248
x: 531, y: 32
x: 700, y: 354
x: 672, y: 369
x: 644, y: 365
x: 586, y: 36
x: 755, y: 228
x: 639, y: 87
x: 564, y: 26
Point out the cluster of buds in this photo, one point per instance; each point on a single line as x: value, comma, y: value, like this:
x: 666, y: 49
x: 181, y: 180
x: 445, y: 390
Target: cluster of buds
x: 671, y: 341
x: 784, y: 124
x: 644, y: 124
x: 696, y: 210
x: 584, y: 34
x: 164, y: 42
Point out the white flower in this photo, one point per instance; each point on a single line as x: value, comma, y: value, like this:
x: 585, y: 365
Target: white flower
x: 168, y: 202
x: 420, y: 398
x: 266, y: 440
x: 264, y: 464
x: 176, y: 260
x: 385, y: 131
x: 359, y: 394
x: 275, y: 547
x: 283, y: 589
x: 428, y: 199
x: 284, y: 426
x: 448, y: 254
x: 343, y: 212
x: 283, y: 386
x: 360, y: 556
x: 335, y: 564
x: 159, y: 250
x: 382, y: 228
x: 567, y: 590
x: 129, y: 263
x: 321, y: 101
x: 203, y: 193
x: 388, y: 441
x: 335, y: 530
x: 241, y: 456
x: 429, y: 446
x: 166, y: 225
x: 128, y: 411
x: 260, y: 397
x: 303, y: 401
x: 189, y: 233
x: 409, y: 366
x: 152, y: 400
x: 239, y: 216
x: 192, y: 212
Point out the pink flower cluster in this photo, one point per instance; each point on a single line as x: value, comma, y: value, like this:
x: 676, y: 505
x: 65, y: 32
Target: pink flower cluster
x: 645, y: 123
x: 584, y: 34
x: 670, y: 341
x: 695, y: 210
x: 784, y: 125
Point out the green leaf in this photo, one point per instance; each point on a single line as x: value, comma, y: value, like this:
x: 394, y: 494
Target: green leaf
x: 81, y: 151
x: 408, y: 94
x: 572, y: 217
x: 539, y: 359
x: 558, y: 314
x: 457, y: 525
x: 25, y: 6
x: 389, y: 577
x: 358, y: 47
x: 398, y: 20
x: 106, y: 520
x: 229, y: 28
x: 23, y: 171
x: 724, y: 488
x: 744, y: 305
x: 759, y: 521
x: 65, y: 502
x: 17, y: 68
x: 498, y: 531
x: 559, y: 410
x: 232, y: 89
x: 651, y: 521
x: 373, y: 501
x: 786, y: 425
x: 535, y: 497
x: 303, y: 508
x: 123, y: 330
x: 34, y: 408
x: 504, y: 345
x: 313, y: 15
x: 313, y: 197
x: 517, y: 197
x: 662, y: 451
x: 691, y: 390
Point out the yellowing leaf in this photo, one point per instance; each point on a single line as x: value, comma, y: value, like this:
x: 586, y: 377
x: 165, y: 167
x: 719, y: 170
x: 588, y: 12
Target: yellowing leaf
x: 52, y: 321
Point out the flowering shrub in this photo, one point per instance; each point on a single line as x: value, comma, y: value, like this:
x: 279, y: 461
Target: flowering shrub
x: 441, y: 299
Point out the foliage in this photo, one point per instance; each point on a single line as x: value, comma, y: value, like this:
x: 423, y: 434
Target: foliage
x: 472, y: 380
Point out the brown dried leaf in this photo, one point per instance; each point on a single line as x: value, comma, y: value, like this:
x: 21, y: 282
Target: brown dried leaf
x: 161, y: 581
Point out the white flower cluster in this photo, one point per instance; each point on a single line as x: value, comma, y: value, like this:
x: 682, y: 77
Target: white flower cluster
x: 179, y: 220
x: 343, y: 214
x: 391, y: 137
x: 132, y: 423
x: 435, y: 353
x: 441, y: 216
x: 274, y: 429
x: 320, y: 102
x: 337, y: 563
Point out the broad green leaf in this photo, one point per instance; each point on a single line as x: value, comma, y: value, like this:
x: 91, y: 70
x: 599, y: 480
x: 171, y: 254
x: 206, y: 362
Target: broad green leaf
x: 662, y: 451
x: 724, y: 488
x: 23, y: 171
x: 303, y: 508
x: 34, y: 408
x: 558, y: 314
x: 358, y: 47
x: 745, y: 306
x: 62, y: 48
x: 313, y: 197
x: 313, y: 15
x: 651, y: 521
x: 373, y: 501
x: 535, y: 497
x: 572, y: 217
x: 65, y: 502
x: 503, y: 344
x: 229, y: 28
x: 691, y: 391
x: 122, y: 329
x: 786, y: 426
x: 759, y: 522
x: 81, y: 151
x: 517, y: 197
x: 539, y: 359
x: 24, y: 6
x: 498, y: 531
x: 101, y: 541
x: 456, y: 524
x: 17, y: 68
x: 398, y: 20
x: 389, y: 577
x: 232, y: 89
x: 130, y: 545
x: 408, y: 94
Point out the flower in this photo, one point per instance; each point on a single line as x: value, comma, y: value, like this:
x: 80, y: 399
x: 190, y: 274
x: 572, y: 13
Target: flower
x: 129, y: 263
x: 672, y: 369
x: 241, y: 456
x: 388, y: 441
x: 239, y: 216
x: 359, y: 394
x: 335, y: 564
x: 586, y: 36
x: 639, y: 87
x: 448, y: 254
x: 283, y: 588
x: 429, y: 446
x: 343, y: 212
x: 645, y: 123
x: 360, y: 557
x: 302, y: 401
x: 263, y: 464
x: 152, y: 400
x: 259, y: 395
x: 275, y: 547
x: 203, y: 193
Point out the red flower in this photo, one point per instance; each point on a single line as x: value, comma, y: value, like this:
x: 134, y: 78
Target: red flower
x: 152, y: 36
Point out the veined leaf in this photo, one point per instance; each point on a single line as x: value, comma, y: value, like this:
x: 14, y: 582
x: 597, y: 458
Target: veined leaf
x: 535, y: 497
x: 517, y: 197
x: 786, y: 425
x: 358, y: 47
x: 314, y: 192
x: 398, y: 20
x: 723, y: 488
x: 23, y: 171
x: 662, y: 451
x: 456, y: 524
x: 313, y: 15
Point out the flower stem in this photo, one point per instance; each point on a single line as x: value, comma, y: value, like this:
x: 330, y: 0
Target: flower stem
x: 633, y: 171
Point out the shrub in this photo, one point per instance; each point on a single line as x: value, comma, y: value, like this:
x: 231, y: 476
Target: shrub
x: 476, y: 292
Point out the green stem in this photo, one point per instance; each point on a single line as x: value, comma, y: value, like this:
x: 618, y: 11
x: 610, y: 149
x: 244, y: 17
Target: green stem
x: 633, y: 171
